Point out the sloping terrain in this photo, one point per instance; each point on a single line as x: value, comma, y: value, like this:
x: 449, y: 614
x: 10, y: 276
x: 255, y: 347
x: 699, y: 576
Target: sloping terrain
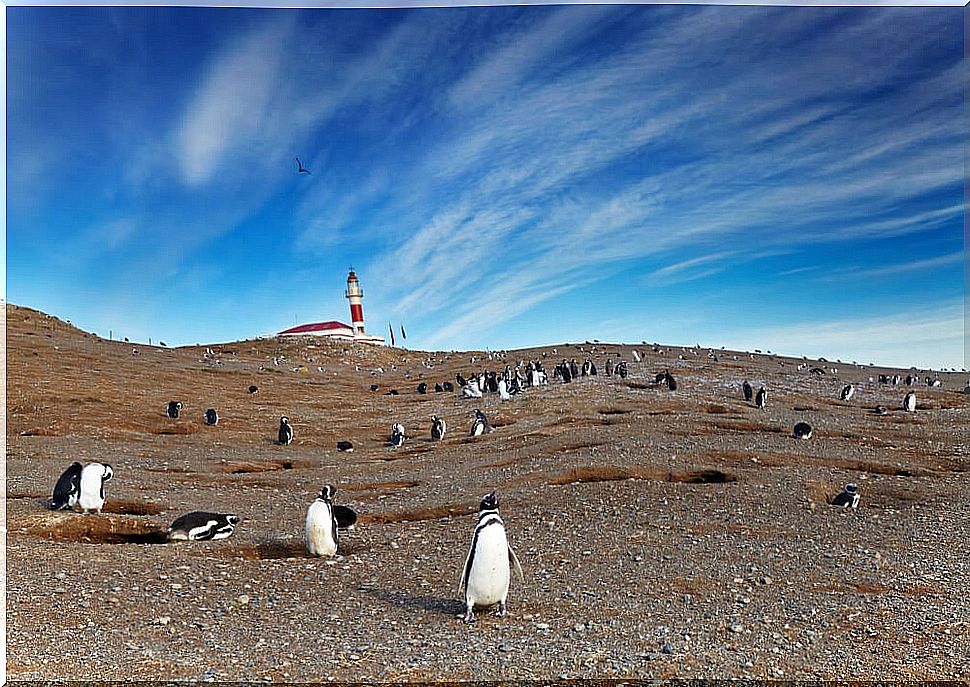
x: 662, y: 533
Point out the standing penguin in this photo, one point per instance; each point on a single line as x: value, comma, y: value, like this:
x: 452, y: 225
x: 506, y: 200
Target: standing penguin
x: 485, y: 577
x: 503, y: 390
x: 761, y: 400
x: 93, y: 477
x: 438, y: 428
x: 849, y: 498
x: 211, y: 417
x: 671, y: 382
x: 68, y: 488
x: 202, y: 526
x: 480, y: 425
x: 748, y: 391
x: 286, y: 431
x: 609, y: 367
x: 847, y: 392
x: 173, y: 409
x: 909, y: 402
x: 321, y: 525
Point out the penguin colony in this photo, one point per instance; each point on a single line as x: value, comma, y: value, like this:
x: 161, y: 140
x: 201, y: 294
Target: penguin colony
x: 486, y: 575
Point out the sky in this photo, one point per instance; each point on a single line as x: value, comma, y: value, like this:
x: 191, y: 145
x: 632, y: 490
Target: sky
x: 780, y: 178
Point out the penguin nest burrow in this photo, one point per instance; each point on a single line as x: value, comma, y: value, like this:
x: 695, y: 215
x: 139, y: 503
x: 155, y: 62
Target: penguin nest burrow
x: 92, y: 529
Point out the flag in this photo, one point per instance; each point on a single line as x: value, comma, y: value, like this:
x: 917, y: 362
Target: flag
x: 403, y: 335
x: 391, y: 330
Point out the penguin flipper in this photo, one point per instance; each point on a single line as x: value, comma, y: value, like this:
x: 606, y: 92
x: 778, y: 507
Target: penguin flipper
x: 465, y: 570
x: 514, y: 560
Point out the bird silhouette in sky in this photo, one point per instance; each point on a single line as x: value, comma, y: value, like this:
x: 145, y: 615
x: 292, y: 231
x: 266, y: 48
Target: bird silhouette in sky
x: 300, y: 168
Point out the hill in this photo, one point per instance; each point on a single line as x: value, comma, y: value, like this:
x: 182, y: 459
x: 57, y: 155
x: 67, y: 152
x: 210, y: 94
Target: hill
x: 663, y: 533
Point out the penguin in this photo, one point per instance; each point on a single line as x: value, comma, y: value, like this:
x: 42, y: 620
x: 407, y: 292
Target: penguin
x: 422, y: 388
x: 909, y: 402
x: 397, y: 435
x: 438, y: 388
x: 485, y: 576
x: 173, y: 409
x: 881, y: 410
x: 253, y: 389
x: 748, y: 391
x: 802, y: 430
x: 286, y: 431
x: 93, y: 477
x: 438, y: 428
x: 847, y: 392
x: 671, y: 382
x: 636, y: 356
x: 849, y: 498
x: 373, y: 387
x: 621, y: 369
x: 67, y: 490
x: 211, y: 417
x: 202, y: 526
x: 322, y: 535
x: 761, y: 400
x: 503, y: 390
x: 609, y: 367
x: 480, y: 426
x: 661, y: 377
x: 460, y: 380
x: 471, y: 390
x: 448, y: 386
x: 346, y: 517
x: 574, y: 368
x: 345, y: 446
x: 392, y: 392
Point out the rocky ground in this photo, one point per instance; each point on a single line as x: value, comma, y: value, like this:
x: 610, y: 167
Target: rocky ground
x: 664, y: 534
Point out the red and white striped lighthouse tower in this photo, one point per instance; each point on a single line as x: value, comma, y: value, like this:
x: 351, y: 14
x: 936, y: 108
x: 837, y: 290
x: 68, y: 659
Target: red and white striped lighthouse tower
x: 355, y: 295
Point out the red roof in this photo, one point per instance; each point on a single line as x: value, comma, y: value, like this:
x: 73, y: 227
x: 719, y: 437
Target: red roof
x: 317, y: 327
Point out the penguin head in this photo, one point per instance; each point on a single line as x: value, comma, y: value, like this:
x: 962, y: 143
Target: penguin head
x: 327, y: 493
x: 479, y: 414
x: 851, y: 488
x: 489, y: 502
x: 284, y: 420
x: 233, y: 519
x: 107, y: 474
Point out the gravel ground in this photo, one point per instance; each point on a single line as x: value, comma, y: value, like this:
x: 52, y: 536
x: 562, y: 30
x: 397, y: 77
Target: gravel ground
x: 663, y: 534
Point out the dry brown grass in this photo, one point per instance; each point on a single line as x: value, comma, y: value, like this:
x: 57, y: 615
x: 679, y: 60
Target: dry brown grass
x: 612, y: 473
x: 417, y: 514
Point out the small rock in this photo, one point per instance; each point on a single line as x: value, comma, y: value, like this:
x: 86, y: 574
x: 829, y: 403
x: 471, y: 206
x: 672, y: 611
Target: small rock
x: 164, y: 620
x: 736, y: 628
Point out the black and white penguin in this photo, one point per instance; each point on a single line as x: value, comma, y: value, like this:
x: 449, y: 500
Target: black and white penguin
x: 322, y: 534
x: 849, y: 498
x: 881, y: 410
x: 661, y: 377
x: 422, y: 388
x: 392, y: 392
x: 286, y: 431
x: 460, y: 380
x: 486, y: 575
x: 345, y: 446
x: 253, y: 389
x: 448, y: 386
x: 671, y: 382
x: 374, y: 387
x: 909, y: 402
x: 397, y: 435
x: 748, y: 391
x: 761, y: 400
x: 93, y: 477
x: 847, y: 392
x: 503, y: 390
x: 438, y: 428
x: 621, y: 369
x: 211, y: 417
x: 438, y: 388
x: 67, y: 490
x: 202, y: 526
x: 609, y: 367
x: 173, y: 409
x: 802, y: 430
x: 574, y: 368
x: 636, y: 356
x: 480, y: 425
x: 472, y: 389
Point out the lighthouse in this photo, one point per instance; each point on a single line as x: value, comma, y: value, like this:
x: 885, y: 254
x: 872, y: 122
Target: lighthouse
x: 355, y: 295
x: 339, y: 330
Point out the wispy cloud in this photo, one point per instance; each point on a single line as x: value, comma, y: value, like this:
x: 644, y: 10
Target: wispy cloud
x: 897, y: 269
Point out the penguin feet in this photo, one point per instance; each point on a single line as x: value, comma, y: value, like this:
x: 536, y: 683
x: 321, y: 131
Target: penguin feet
x: 502, y: 611
x: 469, y: 615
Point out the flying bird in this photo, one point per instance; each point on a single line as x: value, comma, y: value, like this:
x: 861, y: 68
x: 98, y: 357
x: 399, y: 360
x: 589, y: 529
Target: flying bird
x: 300, y: 169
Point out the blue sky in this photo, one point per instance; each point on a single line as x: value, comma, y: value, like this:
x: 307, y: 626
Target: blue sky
x: 752, y: 177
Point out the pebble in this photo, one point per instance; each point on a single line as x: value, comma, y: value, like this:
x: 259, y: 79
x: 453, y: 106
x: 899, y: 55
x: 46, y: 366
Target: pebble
x: 243, y: 599
x: 164, y: 620
x: 736, y: 628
